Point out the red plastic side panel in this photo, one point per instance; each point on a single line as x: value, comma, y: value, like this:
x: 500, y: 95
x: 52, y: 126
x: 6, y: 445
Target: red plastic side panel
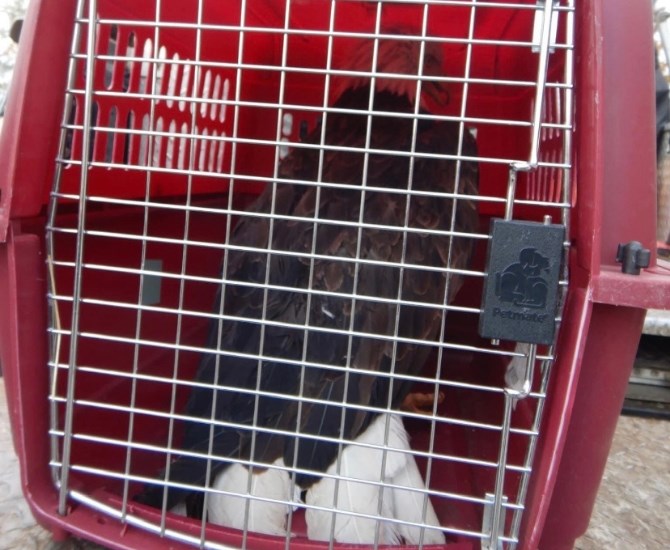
x: 610, y: 350
x: 628, y: 199
x: 29, y: 138
x: 558, y: 408
x: 615, y: 147
x: 24, y: 348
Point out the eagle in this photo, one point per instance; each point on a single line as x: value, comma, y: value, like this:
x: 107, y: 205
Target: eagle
x: 333, y: 293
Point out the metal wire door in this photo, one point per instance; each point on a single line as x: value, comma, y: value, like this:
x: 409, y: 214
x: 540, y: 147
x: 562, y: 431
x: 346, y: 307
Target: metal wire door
x: 178, y: 116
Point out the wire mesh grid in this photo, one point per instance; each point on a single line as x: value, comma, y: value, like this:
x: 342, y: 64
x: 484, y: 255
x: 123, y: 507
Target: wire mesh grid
x: 255, y: 210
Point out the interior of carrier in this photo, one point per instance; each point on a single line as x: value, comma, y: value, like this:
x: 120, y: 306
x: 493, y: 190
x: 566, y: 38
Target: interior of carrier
x: 180, y: 124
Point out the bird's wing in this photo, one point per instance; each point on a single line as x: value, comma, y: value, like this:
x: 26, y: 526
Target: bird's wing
x: 230, y: 392
x: 370, y: 262
x: 312, y: 296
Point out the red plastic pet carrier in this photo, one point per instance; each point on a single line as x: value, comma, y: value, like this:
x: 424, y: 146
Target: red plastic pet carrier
x: 137, y: 140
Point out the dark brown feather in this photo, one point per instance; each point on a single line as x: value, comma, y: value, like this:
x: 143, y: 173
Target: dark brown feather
x: 370, y: 243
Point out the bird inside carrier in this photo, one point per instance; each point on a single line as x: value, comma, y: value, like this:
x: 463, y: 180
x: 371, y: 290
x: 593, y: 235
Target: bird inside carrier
x: 269, y: 238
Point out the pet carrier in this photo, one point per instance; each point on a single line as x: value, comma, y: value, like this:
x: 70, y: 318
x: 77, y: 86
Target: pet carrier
x: 324, y: 272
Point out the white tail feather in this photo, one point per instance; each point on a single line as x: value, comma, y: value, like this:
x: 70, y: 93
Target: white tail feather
x: 263, y: 516
x: 363, y: 463
x: 354, y: 497
x: 179, y: 509
x: 408, y: 506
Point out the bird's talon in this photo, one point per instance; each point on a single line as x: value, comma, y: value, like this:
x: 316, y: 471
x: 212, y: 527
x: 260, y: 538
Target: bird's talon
x: 421, y: 403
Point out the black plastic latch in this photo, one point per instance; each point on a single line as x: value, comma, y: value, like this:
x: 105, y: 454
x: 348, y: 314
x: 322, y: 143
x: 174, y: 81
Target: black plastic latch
x: 520, y: 297
x: 633, y: 256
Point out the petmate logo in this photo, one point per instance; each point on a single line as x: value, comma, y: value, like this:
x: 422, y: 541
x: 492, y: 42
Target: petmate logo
x: 523, y: 284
